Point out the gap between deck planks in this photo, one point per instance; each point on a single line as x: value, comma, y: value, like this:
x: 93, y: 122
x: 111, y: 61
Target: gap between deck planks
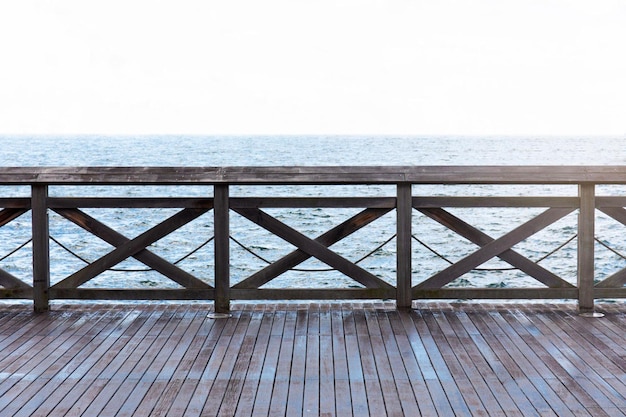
x: 319, y: 359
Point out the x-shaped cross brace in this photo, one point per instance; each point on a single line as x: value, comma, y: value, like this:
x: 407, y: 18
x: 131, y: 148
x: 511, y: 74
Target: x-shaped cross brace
x: 490, y: 248
x: 126, y: 248
x: 308, y: 248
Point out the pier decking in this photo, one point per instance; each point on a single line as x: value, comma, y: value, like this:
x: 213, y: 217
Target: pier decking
x: 330, y: 358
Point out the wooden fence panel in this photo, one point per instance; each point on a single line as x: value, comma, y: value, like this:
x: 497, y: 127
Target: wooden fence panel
x: 372, y: 208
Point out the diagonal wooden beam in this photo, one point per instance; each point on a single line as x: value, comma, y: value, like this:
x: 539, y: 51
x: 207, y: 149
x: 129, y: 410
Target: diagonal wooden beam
x: 9, y: 214
x: 494, y: 248
x: 130, y: 248
x: 618, y: 279
x: 9, y: 281
x: 298, y: 256
x: 617, y: 213
x: 313, y: 248
x: 480, y: 238
x: 114, y: 238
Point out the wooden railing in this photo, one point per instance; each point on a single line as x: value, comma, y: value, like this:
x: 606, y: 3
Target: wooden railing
x: 402, y: 287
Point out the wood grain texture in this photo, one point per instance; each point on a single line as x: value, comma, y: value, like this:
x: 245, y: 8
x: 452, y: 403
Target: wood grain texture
x: 316, y: 175
x: 297, y: 359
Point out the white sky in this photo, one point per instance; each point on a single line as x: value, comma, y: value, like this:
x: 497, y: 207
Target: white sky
x: 313, y: 66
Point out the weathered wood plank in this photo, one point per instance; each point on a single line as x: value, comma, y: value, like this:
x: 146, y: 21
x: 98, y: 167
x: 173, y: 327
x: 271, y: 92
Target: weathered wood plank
x: 131, y: 294
x: 410, y: 404
x: 129, y: 202
x: 431, y: 174
x: 221, y: 230
x: 404, y: 252
x: 333, y: 390
x: 449, y: 400
x: 41, y: 248
x: 460, y: 381
x: 25, y: 343
x: 495, y: 293
x: 365, y: 353
x: 194, y: 365
x: 11, y: 282
x: 22, y: 203
x: 269, y: 367
x: 313, y: 202
x: 407, y: 340
x: 358, y: 395
x: 611, y: 286
x: 603, y: 202
x: 426, y: 202
x: 242, y: 370
x: 9, y: 214
x: 586, y: 245
x: 246, y: 401
x: 282, y: 380
x: 311, y: 381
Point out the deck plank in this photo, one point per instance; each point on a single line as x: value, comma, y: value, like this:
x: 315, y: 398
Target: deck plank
x: 358, y: 396
x: 281, y: 388
x: 329, y: 358
x: 268, y: 373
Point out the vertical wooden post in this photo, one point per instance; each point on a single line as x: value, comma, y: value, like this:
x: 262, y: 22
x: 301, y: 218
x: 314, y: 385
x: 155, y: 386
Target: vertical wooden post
x: 586, y: 233
x: 404, y: 210
x: 222, y: 249
x: 41, y: 248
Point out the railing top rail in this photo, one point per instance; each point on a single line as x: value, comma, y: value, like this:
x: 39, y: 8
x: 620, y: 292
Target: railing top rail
x: 428, y: 174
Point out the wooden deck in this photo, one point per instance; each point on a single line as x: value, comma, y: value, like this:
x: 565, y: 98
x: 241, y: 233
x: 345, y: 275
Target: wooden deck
x: 344, y: 359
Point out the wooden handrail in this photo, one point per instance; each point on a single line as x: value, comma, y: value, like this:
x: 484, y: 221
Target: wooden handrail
x: 460, y: 174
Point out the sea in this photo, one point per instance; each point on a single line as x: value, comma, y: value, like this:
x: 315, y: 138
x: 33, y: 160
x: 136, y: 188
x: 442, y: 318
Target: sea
x: 252, y: 248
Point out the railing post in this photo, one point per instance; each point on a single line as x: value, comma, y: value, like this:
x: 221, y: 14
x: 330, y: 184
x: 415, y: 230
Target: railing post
x: 41, y: 248
x: 222, y: 249
x: 404, y: 209
x: 586, y: 233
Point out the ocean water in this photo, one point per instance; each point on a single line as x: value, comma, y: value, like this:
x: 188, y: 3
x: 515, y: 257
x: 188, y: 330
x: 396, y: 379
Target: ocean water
x: 433, y: 247
x: 308, y: 150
